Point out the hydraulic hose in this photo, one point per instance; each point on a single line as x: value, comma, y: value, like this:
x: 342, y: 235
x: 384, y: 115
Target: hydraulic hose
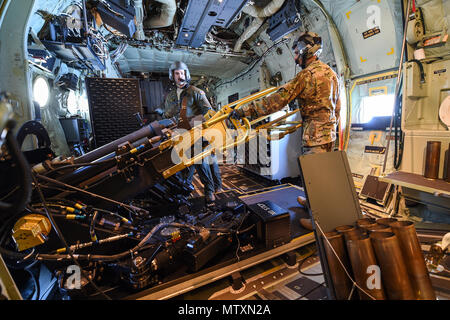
x: 397, y: 85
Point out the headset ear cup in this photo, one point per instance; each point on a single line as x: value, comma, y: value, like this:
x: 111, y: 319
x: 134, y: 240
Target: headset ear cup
x: 309, y: 51
x: 315, y: 50
x: 188, y: 75
x: 313, y: 47
x: 319, y: 52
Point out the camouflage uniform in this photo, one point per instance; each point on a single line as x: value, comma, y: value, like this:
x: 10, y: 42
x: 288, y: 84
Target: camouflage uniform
x: 196, y: 104
x: 317, y: 89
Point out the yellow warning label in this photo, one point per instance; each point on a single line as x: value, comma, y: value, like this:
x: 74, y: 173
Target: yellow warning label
x: 371, y: 32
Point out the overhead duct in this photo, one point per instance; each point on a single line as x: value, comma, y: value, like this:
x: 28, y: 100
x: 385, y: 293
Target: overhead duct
x: 201, y: 15
x: 165, y: 19
x: 140, y: 35
x: 254, y: 26
x: 259, y: 14
x: 265, y: 12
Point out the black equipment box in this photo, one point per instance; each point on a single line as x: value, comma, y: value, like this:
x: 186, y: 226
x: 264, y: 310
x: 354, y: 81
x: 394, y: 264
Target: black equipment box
x: 273, y: 223
x: 118, y: 14
x: 75, y: 129
x: 68, y: 81
x: 375, y: 189
x: 286, y: 20
x: 76, y: 54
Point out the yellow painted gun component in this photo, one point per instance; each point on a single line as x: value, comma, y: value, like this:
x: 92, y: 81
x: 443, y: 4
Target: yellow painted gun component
x: 31, y: 231
x: 194, y: 134
x: 216, y: 132
x: 278, y: 125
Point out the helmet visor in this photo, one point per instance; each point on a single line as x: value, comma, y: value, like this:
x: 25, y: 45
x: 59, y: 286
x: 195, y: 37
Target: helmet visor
x: 301, y: 46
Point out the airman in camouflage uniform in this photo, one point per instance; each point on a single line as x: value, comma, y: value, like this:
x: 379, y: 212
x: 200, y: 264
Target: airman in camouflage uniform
x: 186, y: 102
x: 317, y: 89
x: 196, y: 103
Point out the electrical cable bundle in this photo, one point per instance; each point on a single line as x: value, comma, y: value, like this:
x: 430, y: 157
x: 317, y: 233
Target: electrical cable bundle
x: 254, y: 63
x: 399, y: 135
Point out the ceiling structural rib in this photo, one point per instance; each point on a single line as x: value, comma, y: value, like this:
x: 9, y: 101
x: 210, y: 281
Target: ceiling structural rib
x: 197, y: 21
x: 152, y: 60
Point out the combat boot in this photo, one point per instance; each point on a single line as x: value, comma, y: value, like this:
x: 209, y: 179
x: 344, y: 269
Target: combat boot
x: 210, y: 197
x: 305, y: 223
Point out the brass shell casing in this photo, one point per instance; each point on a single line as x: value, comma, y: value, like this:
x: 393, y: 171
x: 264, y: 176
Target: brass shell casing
x: 393, y: 269
x: 414, y: 260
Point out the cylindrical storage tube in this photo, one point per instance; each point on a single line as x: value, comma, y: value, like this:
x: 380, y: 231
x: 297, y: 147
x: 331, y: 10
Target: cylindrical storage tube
x: 364, y: 221
x: 378, y: 228
x: 392, y: 266
x: 432, y: 159
x: 414, y: 259
x: 364, y: 224
x: 341, y: 282
x: 363, y: 261
x: 348, y: 231
x: 365, y: 227
x: 386, y: 221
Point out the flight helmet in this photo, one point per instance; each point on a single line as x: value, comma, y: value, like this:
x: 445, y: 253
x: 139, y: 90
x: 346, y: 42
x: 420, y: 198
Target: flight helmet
x: 309, y: 44
x: 177, y: 65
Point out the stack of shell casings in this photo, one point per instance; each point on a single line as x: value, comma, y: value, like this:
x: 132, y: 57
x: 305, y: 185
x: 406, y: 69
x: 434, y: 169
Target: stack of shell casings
x: 383, y: 257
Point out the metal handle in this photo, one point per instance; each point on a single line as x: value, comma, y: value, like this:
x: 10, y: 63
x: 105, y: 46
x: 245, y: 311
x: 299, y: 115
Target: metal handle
x: 227, y: 109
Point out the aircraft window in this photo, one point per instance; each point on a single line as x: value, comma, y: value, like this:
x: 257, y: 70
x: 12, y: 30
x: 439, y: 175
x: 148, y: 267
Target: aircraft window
x: 375, y: 106
x: 41, y: 91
